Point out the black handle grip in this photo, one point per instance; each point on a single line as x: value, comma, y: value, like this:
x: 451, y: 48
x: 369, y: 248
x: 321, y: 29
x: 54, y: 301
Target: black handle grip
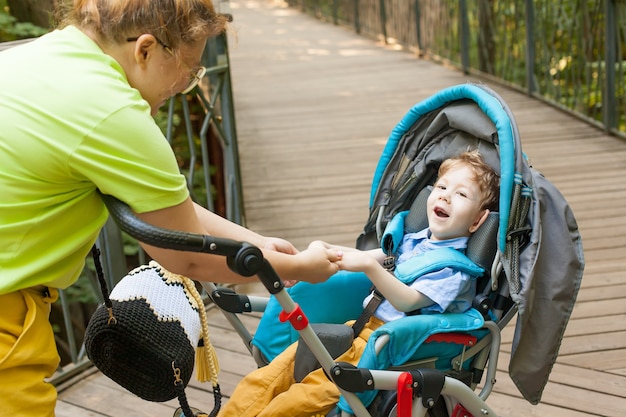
x: 242, y: 258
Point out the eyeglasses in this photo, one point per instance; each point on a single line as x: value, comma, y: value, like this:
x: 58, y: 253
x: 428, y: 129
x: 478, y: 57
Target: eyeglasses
x: 195, y: 74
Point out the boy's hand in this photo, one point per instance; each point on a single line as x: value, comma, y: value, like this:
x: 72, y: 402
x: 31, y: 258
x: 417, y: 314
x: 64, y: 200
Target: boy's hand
x: 354, y: 260
x: 357, y: 261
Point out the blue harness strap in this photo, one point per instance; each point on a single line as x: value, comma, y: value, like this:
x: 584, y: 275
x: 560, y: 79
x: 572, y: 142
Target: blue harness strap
x: 435, y: 260
x: 426, y: 262
x: 394, y: 232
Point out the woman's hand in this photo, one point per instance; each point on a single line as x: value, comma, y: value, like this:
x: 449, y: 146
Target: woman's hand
x: 280, y: 245
x: 317, y: 263
x: 354, y: 260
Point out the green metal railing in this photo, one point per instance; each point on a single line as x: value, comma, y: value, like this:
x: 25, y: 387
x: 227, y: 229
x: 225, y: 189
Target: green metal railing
x: 555, y: 50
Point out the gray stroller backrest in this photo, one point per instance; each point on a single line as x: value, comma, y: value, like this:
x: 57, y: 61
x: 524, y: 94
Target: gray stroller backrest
x: 482, y: 245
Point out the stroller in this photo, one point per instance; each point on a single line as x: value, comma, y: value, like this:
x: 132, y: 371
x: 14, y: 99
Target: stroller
x: 530, y: 250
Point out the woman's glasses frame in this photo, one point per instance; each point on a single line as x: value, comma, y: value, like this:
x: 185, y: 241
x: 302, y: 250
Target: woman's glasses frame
x: 195, y: 74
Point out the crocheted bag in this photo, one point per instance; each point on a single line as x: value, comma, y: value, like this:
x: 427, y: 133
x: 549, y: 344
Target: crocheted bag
x: 147, y: 333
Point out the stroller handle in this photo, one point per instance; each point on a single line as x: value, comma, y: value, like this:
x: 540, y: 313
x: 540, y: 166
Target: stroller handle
x: 242, y: 257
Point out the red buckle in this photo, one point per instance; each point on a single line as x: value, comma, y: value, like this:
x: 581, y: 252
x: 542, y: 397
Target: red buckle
x: 405, y: 395
x: 296, y: 317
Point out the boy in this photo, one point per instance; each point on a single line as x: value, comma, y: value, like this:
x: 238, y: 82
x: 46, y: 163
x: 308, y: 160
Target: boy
x: 465, y: 191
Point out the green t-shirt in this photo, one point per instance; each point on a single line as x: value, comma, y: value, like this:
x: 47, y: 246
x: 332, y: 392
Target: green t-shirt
x: 71, y: 124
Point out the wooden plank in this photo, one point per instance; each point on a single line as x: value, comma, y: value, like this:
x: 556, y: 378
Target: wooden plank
x: 606, y: 360
x: 507, y: 405
x: 595, y: 325
x: 64, y: 409
x: 570, y: 399
x: 605, y: 308
x: 571, y: 388
x: 98, y: 394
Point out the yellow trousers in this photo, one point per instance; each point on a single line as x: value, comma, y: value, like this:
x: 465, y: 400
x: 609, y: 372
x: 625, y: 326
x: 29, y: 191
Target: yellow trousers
x: 271, y: 391
x: 28, y: 354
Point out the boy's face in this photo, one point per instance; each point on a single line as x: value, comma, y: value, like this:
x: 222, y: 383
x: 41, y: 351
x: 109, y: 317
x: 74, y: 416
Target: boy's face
x: 454, y: 205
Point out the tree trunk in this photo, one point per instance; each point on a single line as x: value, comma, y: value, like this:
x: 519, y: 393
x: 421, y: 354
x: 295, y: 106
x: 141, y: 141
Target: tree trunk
x: 37, y: 12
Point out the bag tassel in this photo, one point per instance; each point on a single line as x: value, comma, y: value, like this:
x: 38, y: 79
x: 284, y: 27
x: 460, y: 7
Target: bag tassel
x: 205, y: 356
x: 207, y: 365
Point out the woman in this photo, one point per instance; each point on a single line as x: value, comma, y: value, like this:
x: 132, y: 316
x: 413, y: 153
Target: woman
x: 76, y: 109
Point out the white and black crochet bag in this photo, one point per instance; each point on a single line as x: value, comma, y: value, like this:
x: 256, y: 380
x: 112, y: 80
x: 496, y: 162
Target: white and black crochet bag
x: 148, y: 331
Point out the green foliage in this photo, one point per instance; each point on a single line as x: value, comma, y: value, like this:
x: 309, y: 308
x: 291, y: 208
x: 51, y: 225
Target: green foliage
x: 82, y: 291
x: 86, y: 289
x: 131, y: 247
x: 187, y: 154
x: 11, y: 29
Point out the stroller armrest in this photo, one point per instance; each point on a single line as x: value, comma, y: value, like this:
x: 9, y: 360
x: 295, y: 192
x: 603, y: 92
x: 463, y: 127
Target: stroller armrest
x: 401, y: 339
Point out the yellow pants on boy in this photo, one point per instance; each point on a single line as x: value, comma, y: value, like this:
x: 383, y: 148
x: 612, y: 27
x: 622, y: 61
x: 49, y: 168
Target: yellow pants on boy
x: 271, y: 391
x: 28, y: 353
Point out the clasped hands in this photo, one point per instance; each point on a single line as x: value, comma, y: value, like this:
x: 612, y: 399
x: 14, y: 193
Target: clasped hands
x: 319, y: 261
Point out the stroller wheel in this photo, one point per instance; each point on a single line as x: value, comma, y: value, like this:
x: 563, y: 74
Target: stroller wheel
x: 385, y: 405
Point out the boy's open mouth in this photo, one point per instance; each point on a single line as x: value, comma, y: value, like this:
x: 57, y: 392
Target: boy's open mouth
x: 439, y: 212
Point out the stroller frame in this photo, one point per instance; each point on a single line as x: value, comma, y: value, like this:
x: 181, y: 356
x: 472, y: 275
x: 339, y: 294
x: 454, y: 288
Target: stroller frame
x: 415, y: 389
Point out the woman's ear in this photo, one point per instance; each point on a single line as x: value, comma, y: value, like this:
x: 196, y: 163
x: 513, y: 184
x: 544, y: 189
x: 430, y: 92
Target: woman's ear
x: 480, y: 219
x: 145, y: 46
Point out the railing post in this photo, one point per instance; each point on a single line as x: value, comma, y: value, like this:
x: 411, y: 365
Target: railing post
x: 357, y: 23
x: 464, y: 35
x: 418, y: 26
x: 608, y: 95
x: 234, y: 193
x: 530, y: 47
x: 383, y: 20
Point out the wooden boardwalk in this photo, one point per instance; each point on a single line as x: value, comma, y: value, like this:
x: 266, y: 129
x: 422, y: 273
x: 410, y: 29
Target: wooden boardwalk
x: 315, y: 104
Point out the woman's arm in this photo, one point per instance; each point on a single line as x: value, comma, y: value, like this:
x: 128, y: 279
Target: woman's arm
x: 313, y: 265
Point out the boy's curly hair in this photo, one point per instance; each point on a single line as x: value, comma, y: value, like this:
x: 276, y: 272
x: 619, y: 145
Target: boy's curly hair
x: 485, y: 176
